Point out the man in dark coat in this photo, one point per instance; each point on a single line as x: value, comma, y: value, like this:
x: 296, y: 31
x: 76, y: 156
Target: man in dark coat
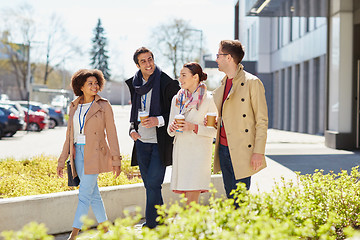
x: 151, y: 92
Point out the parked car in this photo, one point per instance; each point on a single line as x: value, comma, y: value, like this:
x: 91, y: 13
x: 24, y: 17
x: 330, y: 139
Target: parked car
x: 34, y: 106
x: 10, y: 121
x: 60, y: 101
x: 56, y: 116
x: 37, y: 121
x: 18, y: 107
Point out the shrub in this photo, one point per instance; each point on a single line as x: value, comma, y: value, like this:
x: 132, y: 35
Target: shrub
x: 38, y: 176
x: 318, y: 206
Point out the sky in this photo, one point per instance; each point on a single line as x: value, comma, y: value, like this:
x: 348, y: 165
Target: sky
x: 128, y: 25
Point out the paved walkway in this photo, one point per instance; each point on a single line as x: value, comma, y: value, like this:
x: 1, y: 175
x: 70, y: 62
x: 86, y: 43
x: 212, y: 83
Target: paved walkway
x: 287, y: 152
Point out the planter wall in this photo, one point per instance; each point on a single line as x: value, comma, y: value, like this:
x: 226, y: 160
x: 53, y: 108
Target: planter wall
x: 57, y: 210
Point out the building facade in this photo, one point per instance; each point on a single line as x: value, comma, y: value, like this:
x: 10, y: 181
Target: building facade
x: 307, y: 57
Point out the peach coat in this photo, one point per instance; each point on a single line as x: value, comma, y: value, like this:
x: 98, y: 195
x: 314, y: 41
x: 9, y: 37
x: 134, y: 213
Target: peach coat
x: 245, y: 119
x: 99, y: 155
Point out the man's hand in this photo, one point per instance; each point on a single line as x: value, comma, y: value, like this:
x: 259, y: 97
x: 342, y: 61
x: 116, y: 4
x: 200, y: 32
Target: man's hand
x: 215, y: 125
x: 135, y: 135
x: 150, y: 122
x: 256, y: 161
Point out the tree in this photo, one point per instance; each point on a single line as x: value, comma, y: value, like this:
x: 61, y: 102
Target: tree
x: 99, y: 59
x: 19, y: 25
x: 59, y: 48
x: 177, y: 43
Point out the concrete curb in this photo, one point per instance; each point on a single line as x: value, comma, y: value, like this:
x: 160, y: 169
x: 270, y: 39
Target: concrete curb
x: 57, y: 210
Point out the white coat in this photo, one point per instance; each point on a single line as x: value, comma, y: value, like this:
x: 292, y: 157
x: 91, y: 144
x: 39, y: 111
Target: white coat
x: 192, y: 153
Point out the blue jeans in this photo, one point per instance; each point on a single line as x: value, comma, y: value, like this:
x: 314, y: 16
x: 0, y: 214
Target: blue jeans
x: 228, y: 172
x: 89, y: 193
x: 152, y: 172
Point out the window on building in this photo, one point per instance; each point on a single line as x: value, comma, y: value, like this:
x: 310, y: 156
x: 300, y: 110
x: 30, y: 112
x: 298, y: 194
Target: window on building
x: 295, y: 28
x: 253, y: 40
x: 279, y: 38
x: 248, y: 44
x: 282, y: 92
x: 289, y: 97
x: 307, y: 27
x: 285, y: 30
x: 320, y: 21
x: 275, y: 37
x: 312, y: 24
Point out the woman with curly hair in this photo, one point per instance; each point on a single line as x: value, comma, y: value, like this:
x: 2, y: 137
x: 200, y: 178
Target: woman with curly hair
x: 91, y: 120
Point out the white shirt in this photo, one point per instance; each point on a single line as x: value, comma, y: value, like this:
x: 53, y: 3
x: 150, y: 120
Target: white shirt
x: 84, y: 107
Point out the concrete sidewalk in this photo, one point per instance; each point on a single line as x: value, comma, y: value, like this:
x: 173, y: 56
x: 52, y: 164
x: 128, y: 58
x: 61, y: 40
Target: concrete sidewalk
x: 287, y: 152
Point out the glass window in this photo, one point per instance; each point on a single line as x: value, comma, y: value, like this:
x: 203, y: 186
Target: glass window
x: 253, y: 41
x: 312, y: 24
x: 285, y: 30
x: 320, y: 21
x: 248, y: 44
x: 279, y: 33
x: 295, y: 28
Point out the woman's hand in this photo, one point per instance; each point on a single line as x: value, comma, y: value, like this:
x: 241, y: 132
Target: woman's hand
x: 116, y: 170
x: 186, y: 126
x: 60, y: 171
x: 173, y: 126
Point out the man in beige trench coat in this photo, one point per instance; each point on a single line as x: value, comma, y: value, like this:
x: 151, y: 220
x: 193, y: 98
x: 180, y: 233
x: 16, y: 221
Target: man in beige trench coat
x: 243, y: 119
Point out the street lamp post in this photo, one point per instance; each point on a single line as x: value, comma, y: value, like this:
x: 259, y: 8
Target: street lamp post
x: 201, y: 39
x: 28, y: 85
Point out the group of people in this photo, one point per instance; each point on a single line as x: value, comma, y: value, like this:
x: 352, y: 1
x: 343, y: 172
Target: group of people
x: 160, y: 139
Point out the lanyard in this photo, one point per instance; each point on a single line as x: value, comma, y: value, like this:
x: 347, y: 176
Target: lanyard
x: 82, y: 126
x: 143, y: 100
x: 181, y: 103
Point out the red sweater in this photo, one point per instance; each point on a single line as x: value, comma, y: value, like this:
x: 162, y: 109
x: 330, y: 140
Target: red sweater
x: 223, y: 139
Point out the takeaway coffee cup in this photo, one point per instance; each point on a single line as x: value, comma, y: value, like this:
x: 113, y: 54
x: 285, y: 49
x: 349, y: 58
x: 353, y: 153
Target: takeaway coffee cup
x: 143, y: 115
x: 179, y: 119
x: 210, y: 118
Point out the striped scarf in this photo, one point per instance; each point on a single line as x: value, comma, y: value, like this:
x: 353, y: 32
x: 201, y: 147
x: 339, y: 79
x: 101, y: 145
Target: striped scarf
x: 185, y: 100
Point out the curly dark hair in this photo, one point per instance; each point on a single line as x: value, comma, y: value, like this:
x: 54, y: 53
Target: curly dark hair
x: 79, y: 78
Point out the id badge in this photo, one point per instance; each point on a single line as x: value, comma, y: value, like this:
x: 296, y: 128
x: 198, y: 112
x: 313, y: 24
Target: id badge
x: 81, y: 139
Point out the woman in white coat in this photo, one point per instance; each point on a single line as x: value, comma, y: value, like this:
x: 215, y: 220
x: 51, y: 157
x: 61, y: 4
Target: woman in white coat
x: 191, y: 169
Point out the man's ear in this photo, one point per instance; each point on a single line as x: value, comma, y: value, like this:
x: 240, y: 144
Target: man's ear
x: 138, y: 66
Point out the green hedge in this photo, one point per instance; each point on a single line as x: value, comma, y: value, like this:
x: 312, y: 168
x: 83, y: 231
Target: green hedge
x: 318, y: 206
x: 38, y: 176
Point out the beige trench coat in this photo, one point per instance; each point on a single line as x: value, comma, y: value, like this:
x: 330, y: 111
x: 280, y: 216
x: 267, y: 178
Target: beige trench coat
x: 99, y: 155
x: 245, y: 119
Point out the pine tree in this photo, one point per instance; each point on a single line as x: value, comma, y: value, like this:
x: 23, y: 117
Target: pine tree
x: 99, y: 59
